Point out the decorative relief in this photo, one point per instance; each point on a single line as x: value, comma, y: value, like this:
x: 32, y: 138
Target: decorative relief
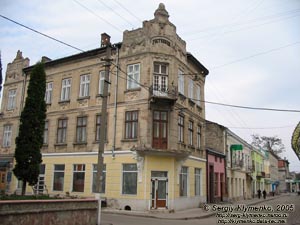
x: 82, y: 102
x: 132, y: 95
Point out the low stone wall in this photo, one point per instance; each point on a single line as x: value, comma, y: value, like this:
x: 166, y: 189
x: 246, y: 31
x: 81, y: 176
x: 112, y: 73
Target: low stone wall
x: 49, y: 212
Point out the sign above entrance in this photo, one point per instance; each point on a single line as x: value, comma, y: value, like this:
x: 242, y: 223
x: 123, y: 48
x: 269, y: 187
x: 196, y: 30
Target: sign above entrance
x: 236, y: 147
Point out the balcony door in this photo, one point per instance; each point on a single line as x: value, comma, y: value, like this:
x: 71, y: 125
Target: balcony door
x: 160, y: 79
x: 160, y: 132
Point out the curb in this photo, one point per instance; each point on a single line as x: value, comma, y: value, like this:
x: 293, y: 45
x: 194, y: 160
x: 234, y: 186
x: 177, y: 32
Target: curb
x: 180, y: 218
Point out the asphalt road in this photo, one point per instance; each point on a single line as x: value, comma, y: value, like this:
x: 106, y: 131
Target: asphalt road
x: 288, y: 205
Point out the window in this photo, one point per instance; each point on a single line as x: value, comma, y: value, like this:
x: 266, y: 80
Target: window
x: 101, y: 83
x: 46, y: 133
x: 198, y: 95
x: 103, y: 179
x: 129, y: 185
x: 191, y: 133
x: 191, y: 89
x: 180, y: 82
x: 98, y: 125
x: 59, y: 175
x: 160, y: 79
x: 7, y: 133
x: 131, y: 124
x: 133, y: 76
x: 197, y: 181
x: 84, y: 89
x: 181, y: 128
x: 199, y: 136
x: 62, y: 130
x: 216, y: 184
x: 65, y: 89
x: 78, y: 177
x: 183, y: 181
x: 48, y: 94
x: 11, y: 99
x: 81, y: 129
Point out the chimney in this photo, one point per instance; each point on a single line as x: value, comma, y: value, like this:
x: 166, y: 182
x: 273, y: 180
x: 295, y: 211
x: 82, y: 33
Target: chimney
x: 105, y: 39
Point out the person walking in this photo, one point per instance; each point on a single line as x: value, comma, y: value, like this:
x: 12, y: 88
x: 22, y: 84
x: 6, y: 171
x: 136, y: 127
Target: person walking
x: 258, y: 193
x: 264, y: 194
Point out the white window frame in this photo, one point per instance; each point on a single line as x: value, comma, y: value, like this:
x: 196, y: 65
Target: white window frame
x: 198, y: 95
x: 198, y: 182
x: 124, y: 172
x: 84, y: 89
x: 49, y: 91
x: 7, y: 135
x: 191, y: 133
x: 183, y: 174
x: 78, y: 168
x: 180, y: 82
x: 11, y: 104
x: 81, y: 129
x: 46, y: 133
x: 191, y: 89
x: 66, y: 89
x: 133, y: 76
x: 94, y: 176
x: 58, y: 171
x: 101, y: 83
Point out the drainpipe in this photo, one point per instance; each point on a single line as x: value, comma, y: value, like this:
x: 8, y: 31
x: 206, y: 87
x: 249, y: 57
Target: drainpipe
x: 116, y: 103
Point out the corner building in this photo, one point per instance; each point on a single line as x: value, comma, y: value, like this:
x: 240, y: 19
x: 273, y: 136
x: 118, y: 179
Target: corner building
x: 154, y: 154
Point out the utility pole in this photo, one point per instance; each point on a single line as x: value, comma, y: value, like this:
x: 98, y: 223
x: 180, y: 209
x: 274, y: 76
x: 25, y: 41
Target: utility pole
x: 105, y: 42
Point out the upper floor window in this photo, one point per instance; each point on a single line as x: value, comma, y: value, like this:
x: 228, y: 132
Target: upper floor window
x: 199, y: 136
x: 191, y: 133
x: 180, y: 82
x: 48, y: 94
x: 84, y: 89
x: 160, y: 79
x: 181, y: 128
x: 191, y: 89
x: 81, y: 129
x: 98, y: 130
x: 62, y: 130
x: 198, y: 95
x: 101, y: 82
x: 133, y: 76
x: 11, y: 99
x: 46, y: 133
x: 131, y: 124
x: 65, y: 89
x: 7, y: 133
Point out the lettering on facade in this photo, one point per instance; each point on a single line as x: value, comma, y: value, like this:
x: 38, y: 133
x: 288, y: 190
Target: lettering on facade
x: 160, y: 40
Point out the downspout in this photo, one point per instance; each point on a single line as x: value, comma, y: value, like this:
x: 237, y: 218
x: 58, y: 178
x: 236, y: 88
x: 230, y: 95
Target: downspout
x: 116, y: 103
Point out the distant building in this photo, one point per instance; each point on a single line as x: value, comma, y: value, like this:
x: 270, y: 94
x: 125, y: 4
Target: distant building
x: 258, y: 173
x: 155, y: 158
x: 284, y: 175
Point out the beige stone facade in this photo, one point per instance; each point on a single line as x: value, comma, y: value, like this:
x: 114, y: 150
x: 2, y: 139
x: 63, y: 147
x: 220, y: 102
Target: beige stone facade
x: 159, y: 84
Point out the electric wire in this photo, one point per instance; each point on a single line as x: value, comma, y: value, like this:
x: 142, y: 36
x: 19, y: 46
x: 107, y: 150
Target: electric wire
x: 128, y: 11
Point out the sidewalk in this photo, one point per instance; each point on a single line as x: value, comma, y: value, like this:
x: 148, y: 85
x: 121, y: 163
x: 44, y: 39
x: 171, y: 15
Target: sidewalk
x: 189, y: 214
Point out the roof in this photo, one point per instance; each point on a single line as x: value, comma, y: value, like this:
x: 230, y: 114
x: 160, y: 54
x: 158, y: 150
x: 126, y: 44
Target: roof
x: 197, y: 63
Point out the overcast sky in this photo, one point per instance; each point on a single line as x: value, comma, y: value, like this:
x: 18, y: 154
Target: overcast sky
x: 251, y: 48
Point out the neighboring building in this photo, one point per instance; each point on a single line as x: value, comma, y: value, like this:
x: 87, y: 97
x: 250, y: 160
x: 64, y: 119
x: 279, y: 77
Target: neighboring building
x: 239, y: 167
x: 215, y: 170
x: 155, y: 158
x: 284, y: 175
x: 258, y: 174
x: 272, y: 177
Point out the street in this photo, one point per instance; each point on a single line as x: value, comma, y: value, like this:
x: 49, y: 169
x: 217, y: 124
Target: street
x: 287, y: 200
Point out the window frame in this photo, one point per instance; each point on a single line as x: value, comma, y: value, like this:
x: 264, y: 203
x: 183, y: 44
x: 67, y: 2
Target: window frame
x: 46, y: 133
x: 183, y: 181
x: 198, y: 95
x: 58, y: 171
x: 133, y: 76
x: 180, y: 128
x: 198, y: 181
x: 191, y: 133
x: 49, y: 92
x: 180, y: 82
x: 84, y: 87
x: 78, y: 168
x: 62, y: 126
x: 199, y: 128
x: 81, y: 129
x: 7, y: 136
x: 66, y: 89
x: 131, y: 124
x: 191, y: 89
x: 11, y: 102
x: 126, y: 172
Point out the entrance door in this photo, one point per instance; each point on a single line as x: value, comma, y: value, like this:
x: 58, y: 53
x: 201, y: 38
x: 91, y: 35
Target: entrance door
x: 159, y: 187
x: 2, y: 180
x: 211, y: 184
x: 160, y: 126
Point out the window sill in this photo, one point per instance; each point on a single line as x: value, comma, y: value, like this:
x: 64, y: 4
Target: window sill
x: 79, y: 143
x: 60, y: 144
x: 64, y: 101
x: 181, y: 143
x: 101, y: 95
x: 45, y: 146
x: 133, y: 89
x: 129, y: 140
x: 182, y: 96
x: 83, y: 98
x: 191, y: 146
x: 97, y: 142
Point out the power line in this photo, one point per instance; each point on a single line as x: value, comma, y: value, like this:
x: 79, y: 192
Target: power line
x: 38, y: 32
x: 261, y: 128
x: 128, y: 11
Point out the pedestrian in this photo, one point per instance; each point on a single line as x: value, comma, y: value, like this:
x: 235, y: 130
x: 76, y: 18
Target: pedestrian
x: 264, y: 194
x: 258, y: 193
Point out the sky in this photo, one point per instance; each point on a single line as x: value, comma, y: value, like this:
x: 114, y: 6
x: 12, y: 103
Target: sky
x: 250, y: 47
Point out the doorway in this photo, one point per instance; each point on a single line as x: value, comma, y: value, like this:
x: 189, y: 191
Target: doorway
x: 159, y: 189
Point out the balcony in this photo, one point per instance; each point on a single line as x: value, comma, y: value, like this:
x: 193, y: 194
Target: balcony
x: 259, y: 174
x: 249, y: 169
x: 237, y: 165
x: 163, y: 95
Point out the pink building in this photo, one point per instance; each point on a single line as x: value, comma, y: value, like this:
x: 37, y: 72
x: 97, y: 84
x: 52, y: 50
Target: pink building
x: 216, y: 175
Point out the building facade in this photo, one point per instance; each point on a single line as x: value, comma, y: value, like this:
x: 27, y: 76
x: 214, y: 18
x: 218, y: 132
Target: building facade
x: 284, y: 175
x: 155, y: 142
x: 258, y: 171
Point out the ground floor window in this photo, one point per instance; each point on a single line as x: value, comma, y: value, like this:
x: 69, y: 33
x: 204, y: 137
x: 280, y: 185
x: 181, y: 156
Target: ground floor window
x: 129, y: 179
x: 58, y: 177
x: 183, y: 181
x: 197, y: 181
x: 78, y: 177
x: 103, y: 179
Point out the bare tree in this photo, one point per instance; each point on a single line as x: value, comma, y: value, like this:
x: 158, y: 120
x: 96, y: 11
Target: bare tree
x: 273, y: 144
